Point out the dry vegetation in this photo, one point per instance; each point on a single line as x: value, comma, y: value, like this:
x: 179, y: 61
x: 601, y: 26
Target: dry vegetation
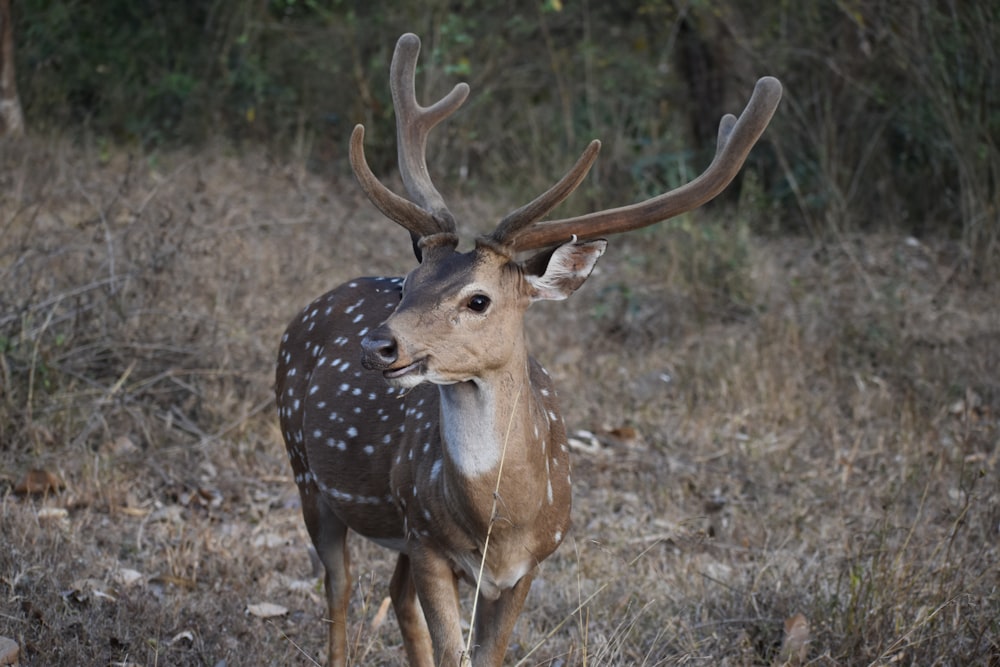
x: 795, y: 454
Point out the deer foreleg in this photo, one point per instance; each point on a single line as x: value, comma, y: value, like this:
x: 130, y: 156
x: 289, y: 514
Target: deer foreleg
x: 437, y: 589
x: 410, y: 616
x: 495, y: 622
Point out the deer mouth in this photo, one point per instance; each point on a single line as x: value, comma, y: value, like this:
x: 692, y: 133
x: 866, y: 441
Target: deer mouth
x: 417, y: 368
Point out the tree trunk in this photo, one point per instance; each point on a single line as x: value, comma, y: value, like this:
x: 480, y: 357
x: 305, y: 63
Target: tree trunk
x: 11, y: 118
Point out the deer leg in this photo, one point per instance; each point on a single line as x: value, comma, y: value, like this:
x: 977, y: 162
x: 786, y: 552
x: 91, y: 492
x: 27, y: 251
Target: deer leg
x: 329, y: 536
x: 495, y: 622
x: 437, y: 589
x: 410, y: 616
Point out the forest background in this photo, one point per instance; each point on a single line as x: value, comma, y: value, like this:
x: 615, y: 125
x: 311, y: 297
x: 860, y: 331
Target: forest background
x: 891, y: 118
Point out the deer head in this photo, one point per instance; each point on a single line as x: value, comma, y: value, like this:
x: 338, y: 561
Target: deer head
x: 460, y: 290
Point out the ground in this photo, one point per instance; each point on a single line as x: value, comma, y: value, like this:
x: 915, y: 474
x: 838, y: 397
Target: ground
x: 786, y: 448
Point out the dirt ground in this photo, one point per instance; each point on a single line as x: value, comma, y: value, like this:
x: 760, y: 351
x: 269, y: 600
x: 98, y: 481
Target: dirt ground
x: 786, y: 449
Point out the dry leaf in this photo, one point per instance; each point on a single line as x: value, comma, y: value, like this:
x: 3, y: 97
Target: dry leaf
x: 169, y: 513
x: 584, y: 442
x: 9, y: 651
x: 120, y: 446
x: 180, y: 582
x: 186, y: 635
x: 36, y: 482
x: 83, y: 590
x: 269, y: 541
x: 134, y: 511
x: 266, y: 610
x: 603, y: 440
x: 53, y: 514
x: 623, y: 436
x: 383, y: 611
x: 796, y: 640
x: 127, y: 577
x: 307, y: 586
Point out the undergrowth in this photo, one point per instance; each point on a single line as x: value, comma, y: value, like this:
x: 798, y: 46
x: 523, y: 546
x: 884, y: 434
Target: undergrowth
x: 778, y: 428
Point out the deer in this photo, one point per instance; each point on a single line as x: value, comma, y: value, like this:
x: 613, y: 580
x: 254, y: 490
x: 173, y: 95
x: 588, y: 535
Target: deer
x: 411, y: 410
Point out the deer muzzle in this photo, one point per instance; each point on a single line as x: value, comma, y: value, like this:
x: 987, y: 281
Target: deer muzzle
x: 379, y: 350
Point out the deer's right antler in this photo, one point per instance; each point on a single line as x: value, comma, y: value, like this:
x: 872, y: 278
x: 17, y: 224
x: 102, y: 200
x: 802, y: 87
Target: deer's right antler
x: 427, y: 213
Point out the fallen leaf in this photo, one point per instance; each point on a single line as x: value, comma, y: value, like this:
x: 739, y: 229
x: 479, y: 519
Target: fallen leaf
x: 266, y: 610
x: 37, y: 482
x: 52, y: 514
x: 584, y: 442
x: 134, y: 511
x: 383, y: 611
x: 127, y: 577
x: 170, y: 514
x: 623, y: 436
x: 185, y: 634
x: 9, y: 651
x: 83, y: 590
x: 200, y: 497
x: 120, y: 446
x: 180, y: 582
x: 269, y: 541
x: 796, y: 640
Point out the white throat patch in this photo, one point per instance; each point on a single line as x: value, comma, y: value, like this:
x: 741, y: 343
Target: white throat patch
x: 468, y: 427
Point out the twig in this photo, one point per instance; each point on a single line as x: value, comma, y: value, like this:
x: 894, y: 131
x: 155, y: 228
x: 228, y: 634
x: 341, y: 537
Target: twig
x: 904, y: 639
x: 31, y: 370
x: 109, y: 240
x: 267, y: 402
x: 561, y: 623
x: 52, y: 301
x: 292, y: 642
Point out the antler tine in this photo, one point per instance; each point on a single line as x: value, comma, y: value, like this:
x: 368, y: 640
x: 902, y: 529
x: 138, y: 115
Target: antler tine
x: 426, y: 214
x: 419, y: 222
x: 736, y: 138
x: 533, y: 211
x: 414, y: 123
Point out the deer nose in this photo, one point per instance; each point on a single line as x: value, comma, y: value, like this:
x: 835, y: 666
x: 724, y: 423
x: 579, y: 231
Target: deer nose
x: 379, y: 350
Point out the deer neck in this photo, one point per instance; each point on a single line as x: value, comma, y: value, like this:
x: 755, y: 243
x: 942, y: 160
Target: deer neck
x: 478, y: 418
x: 491, y: 425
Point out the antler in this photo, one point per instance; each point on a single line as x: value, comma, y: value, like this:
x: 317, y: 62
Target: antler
x: 427, y: 213
x: 540, y: 207
x: 736, y: 138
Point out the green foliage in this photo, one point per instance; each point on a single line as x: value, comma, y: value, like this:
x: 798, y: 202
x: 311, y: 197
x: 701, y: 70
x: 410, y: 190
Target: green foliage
x: 890, y: 115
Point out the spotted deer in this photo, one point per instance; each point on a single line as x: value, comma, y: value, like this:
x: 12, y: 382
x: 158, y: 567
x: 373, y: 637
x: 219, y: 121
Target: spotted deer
x: 412, y: 412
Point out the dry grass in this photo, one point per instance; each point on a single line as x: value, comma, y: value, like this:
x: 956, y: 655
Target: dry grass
x: 786, y: 429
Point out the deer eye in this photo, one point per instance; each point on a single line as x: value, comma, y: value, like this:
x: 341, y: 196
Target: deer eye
x: 478, y: 303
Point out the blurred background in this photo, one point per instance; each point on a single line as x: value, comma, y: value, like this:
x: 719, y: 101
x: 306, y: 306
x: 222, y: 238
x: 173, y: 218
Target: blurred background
x: 890, y: 117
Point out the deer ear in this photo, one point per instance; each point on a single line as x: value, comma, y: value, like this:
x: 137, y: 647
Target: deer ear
x: 569, y: 265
